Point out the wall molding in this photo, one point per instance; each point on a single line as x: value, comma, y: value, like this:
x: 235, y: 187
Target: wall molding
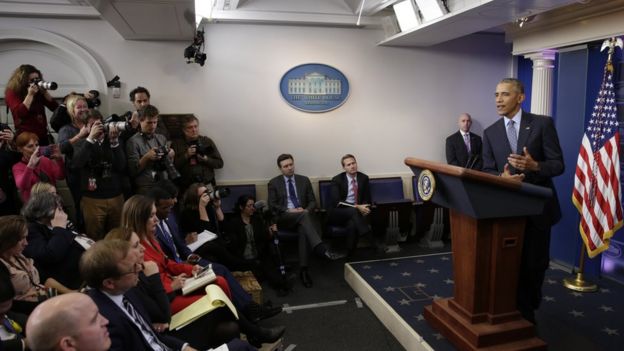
x: 83, y: 60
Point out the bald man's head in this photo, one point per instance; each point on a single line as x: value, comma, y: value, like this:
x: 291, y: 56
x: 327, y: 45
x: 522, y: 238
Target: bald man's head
x: 464, y: 122
x: 67, y: 322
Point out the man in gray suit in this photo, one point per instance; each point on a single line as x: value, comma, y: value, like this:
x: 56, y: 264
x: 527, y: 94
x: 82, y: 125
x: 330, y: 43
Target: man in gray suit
x: 291, y: 199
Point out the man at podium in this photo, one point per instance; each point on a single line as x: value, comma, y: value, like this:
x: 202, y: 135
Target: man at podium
x: 525, y: 146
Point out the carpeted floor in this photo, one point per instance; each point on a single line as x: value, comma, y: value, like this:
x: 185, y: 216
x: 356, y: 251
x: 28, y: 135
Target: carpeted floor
x: 567, y: 320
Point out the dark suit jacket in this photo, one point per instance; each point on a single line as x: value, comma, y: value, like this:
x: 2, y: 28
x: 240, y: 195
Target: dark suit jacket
x: 457, y: 153
x: 179, y: 244
x: 340, y: 189
x: 278, y: 198
x: 538, y: 135
x: 55, y: 252
x: 237, y: 237
x: 124, y: 334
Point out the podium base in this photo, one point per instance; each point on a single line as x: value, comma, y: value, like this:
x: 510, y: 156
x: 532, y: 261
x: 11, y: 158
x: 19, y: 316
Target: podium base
x: 512, y: 335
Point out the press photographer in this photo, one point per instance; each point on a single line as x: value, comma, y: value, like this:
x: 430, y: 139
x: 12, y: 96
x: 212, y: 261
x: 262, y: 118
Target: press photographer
x: 149, y: 157
x: 101, y: 162
x: 140, y: 97
x: 197, y: 156
x: 27, y: 96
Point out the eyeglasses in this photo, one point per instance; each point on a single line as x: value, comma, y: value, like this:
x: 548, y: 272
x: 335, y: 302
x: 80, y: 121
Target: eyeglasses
x: 137, y: 268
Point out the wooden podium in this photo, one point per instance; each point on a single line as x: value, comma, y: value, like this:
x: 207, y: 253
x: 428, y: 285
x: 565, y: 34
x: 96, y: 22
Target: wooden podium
x: 487, y: 229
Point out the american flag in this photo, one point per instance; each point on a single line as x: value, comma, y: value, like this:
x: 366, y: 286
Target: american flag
x: 597, y: 191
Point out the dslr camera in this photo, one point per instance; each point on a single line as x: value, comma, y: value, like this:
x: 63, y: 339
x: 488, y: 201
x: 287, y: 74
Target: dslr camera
x: 95, y: 100
x: 43, y: 84
x: 202, y: 149
x: 165, y: 164
x: 218, y: 193
x: 116, y: 121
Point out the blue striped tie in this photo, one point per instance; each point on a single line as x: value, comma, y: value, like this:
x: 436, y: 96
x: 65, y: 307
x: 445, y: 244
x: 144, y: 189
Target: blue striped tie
x: 512, y: 136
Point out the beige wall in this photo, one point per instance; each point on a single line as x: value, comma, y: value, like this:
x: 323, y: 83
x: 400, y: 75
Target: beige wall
x: 403, y: 101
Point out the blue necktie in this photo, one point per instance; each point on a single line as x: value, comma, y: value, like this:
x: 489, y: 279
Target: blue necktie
x: 512, y: 136
x: 167, y: 235
x: 145, y: 327
x: 292, y: 194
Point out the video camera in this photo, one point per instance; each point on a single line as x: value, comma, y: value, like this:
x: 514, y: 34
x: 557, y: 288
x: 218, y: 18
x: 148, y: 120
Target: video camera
x: 43, y: 84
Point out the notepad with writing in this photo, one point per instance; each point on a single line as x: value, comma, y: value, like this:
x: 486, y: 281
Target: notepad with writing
x: 202, y: 238
x: 204, y: 278
x: 214, y: 298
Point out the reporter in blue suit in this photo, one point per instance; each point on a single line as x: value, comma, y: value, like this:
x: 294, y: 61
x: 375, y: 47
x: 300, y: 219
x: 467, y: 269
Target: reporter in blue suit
x: 525, y: 147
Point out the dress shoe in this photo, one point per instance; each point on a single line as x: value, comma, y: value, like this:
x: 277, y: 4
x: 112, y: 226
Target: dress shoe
x: 331, y: 255
x: 305, y: 279
x: 266, y: 335
x: 256, y: 312
x: 267, y: 310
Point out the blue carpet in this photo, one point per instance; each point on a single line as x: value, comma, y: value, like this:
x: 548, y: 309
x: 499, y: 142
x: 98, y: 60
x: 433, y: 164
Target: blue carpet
x: 409, y: 284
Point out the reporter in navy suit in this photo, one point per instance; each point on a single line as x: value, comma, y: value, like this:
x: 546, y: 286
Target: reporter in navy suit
x: 293, y: 210
x: 535, y: 159
x: 350, y: 187
x: 461, y: 153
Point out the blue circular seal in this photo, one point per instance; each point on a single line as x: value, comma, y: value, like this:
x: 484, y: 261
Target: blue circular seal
x: 426, y: 185
x: 314, y: 87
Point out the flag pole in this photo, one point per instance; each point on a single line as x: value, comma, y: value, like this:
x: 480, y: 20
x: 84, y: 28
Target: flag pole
x: 579, y: 283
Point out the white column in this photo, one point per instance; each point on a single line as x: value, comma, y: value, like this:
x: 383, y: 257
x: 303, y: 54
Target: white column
x: 543, y: 80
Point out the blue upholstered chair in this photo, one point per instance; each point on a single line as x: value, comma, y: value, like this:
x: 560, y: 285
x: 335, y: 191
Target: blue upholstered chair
x: 228, y: 203
x: 325, y: 187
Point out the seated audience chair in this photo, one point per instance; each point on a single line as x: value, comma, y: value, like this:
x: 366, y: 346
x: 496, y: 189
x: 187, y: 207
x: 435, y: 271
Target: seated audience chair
x: 325, y: 187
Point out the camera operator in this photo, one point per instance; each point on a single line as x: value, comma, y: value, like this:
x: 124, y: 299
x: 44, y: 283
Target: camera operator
x: 196, y: 156
x: 27, y: 101
x: 140, y: 97
x: 149, y: 157
x: 101, y: 162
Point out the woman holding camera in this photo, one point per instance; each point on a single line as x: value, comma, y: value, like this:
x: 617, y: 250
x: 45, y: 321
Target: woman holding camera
x: 201, y: 210
x: 55, y: 248
x: 24, y: 276
x: 37, y: 164
x: 27, y: 102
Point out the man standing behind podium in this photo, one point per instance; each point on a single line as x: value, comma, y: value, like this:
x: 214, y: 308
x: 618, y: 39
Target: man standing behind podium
x: 525, y: 147
x: 291, y: 199
x: 463, y: 148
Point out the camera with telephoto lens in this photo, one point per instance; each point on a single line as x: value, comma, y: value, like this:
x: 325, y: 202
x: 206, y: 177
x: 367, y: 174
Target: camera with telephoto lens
x: 218, y: 193
x: 165, y: 164
x: 43, y: 84
x: 116, y: 121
